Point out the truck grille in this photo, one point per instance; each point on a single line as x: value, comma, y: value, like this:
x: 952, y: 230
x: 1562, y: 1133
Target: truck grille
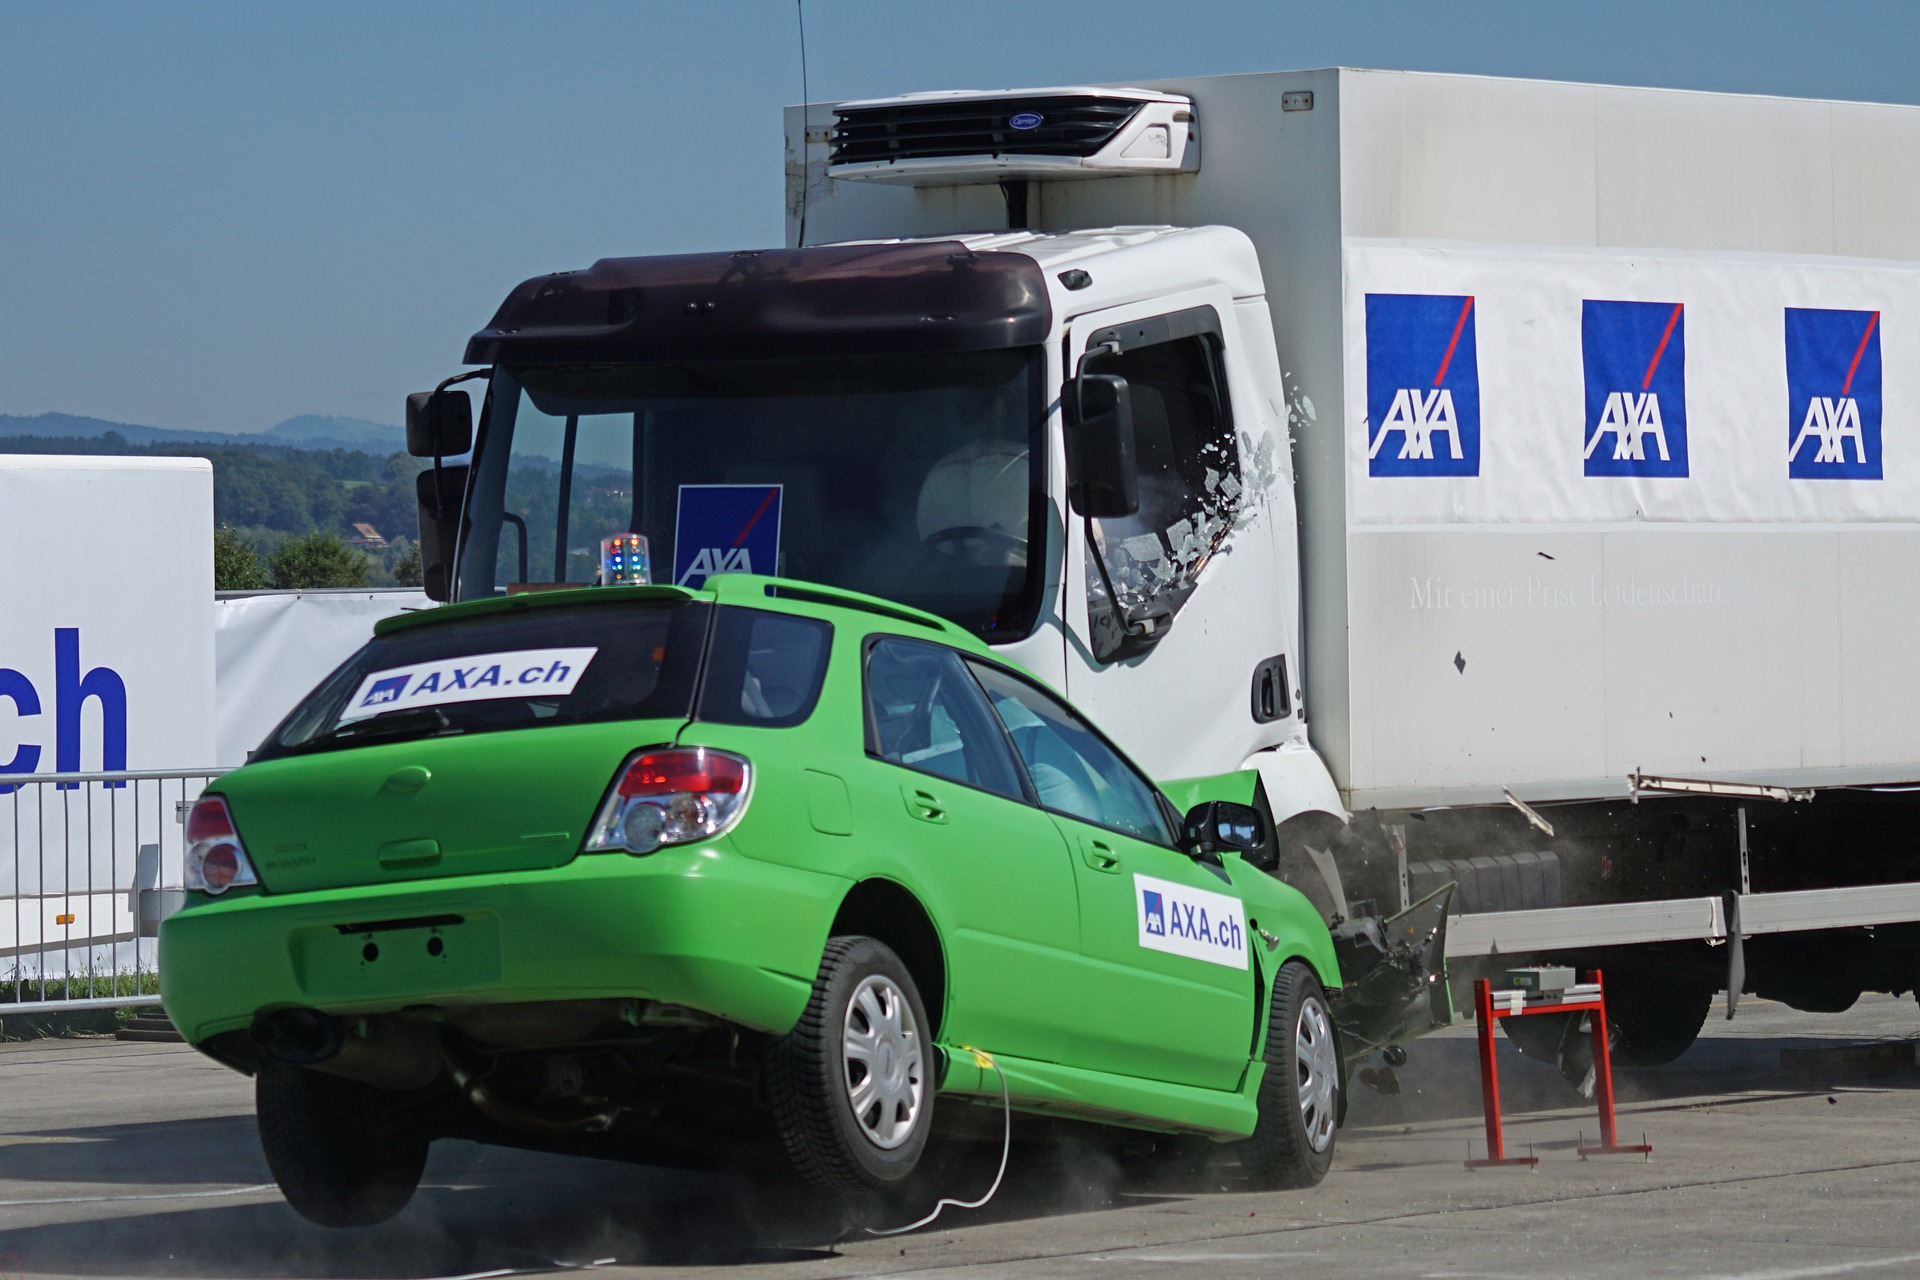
x: 1077, y: 125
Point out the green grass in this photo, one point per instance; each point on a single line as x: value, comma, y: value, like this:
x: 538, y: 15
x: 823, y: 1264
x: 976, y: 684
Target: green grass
x: 97, y: 984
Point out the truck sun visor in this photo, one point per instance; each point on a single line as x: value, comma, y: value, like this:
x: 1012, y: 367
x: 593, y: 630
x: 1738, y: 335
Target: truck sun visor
x: 835, y: 300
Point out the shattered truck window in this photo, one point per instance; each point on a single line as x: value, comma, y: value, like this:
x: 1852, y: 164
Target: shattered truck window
x: 1191, y: 491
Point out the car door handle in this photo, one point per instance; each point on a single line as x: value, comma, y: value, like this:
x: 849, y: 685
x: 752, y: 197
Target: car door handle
x: 1099, y: 855
x: 923, y: 804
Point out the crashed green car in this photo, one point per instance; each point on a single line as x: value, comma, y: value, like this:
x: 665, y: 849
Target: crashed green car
x: 682, y: 876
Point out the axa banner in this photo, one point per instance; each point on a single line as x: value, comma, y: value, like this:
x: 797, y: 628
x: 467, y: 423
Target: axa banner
x: 1608, y: 387
x: 1190, y: 922
x: 1833, y: 394
x: 1423, y: 386
x: 725, y: 528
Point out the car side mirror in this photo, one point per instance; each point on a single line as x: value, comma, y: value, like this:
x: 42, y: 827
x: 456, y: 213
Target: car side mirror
x: 440, y: 491
x: 1221, y: 826
x: 439, y: 423
x: 1103, y: 475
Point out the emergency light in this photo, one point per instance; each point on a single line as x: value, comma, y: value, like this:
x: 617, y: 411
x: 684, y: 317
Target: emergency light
x: 625, y: 561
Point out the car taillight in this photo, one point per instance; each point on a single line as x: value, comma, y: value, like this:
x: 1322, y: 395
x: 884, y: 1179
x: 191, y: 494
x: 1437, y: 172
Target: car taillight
x: 216, y: 860
x: 671, y: 795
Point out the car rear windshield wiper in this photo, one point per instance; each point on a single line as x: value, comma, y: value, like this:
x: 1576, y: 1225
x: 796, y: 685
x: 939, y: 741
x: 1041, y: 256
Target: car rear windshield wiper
x: 414, y: 722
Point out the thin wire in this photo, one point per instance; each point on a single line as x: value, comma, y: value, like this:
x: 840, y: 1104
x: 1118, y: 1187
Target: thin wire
x: 800, y: 6
x: 1006, y: 1146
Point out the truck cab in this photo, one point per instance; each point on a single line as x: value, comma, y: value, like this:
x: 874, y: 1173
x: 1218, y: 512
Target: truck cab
x: 910, y: 419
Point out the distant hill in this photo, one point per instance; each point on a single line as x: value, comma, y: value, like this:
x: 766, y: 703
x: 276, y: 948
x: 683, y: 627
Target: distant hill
x: 309, y: 431
x: 314, y: 430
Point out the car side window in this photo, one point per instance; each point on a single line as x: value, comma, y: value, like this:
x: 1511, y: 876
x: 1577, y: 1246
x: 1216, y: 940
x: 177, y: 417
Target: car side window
x: 925, y: 712
x: 763, y: 668
x: 1071, y: 768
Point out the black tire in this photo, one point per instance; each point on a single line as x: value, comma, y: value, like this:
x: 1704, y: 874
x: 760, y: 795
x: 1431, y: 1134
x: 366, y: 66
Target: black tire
x: 336, y: 1157
x: 836, y: 1143
x: 1654, y: 1022
x: 1541, y: 1036
x: 1299, y: 1100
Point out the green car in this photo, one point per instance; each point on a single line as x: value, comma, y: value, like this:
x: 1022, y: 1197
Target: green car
x: 677, y: 876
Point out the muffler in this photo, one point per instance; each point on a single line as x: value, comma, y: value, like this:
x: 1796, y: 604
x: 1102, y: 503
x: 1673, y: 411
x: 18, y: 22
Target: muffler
x: 385, y: 1052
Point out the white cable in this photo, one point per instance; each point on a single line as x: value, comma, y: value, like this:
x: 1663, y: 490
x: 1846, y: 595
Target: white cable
x: 1006, y: 1147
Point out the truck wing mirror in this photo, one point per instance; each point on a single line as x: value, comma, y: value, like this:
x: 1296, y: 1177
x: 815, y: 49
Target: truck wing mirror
x: 1103, y: 478
x: 1221, y: 826
x: 440, y: 492
x: 439, y: 423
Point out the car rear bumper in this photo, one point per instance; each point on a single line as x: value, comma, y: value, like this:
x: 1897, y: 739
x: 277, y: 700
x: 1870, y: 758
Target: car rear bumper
x: 702, y: 926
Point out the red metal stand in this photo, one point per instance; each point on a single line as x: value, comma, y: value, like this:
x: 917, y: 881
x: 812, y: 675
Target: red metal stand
x: 1590, y: 998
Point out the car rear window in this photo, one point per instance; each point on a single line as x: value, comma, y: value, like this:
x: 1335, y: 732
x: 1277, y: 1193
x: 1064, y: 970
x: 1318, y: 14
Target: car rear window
x: 637, y: 660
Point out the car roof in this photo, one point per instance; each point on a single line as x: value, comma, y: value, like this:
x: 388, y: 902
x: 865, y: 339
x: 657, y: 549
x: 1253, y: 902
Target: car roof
x: 781, y: 595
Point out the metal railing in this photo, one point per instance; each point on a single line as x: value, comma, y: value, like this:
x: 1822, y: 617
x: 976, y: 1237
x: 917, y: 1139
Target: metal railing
x: 90, y: 863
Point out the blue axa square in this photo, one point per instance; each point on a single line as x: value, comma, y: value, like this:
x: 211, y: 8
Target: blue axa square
x: 1423, y: 386
x: 1155, y: 911
x: 1635, y: 355
x: 1833, y: 394
x: 385, y: 691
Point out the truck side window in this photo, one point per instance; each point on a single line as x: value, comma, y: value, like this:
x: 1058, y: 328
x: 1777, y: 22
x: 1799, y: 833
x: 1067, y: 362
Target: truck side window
x: 925, y: 712
x: 1189, y: 482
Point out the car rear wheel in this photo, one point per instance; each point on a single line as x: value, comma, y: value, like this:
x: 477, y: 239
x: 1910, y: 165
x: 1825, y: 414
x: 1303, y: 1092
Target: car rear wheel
x: 1299, y: 1099
x: 338, y: 1160
x: 851, y: 1086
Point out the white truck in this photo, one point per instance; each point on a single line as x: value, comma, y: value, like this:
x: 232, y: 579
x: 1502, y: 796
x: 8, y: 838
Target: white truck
x: 1522, y: 477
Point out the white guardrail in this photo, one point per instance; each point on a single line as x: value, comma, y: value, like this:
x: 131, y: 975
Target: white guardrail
x: 90, y: 864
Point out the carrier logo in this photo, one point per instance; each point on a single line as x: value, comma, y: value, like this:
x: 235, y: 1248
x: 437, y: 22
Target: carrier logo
x: 1636, y: 364
x: 1423, y: 386
x: 1025, y: 120
x: 1833, y: 394
x: 1190, y: 922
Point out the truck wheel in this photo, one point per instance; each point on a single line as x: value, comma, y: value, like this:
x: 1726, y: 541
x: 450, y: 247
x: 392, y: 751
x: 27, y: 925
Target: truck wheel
x: 338, y: 1161
x: 1653, y: 1022
x: 1299, y: 1100
x: 851, y: 1086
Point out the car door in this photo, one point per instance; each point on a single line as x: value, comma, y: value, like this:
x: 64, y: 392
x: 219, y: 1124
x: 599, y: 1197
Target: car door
x: 1168, y: 989
x: 995, y: 871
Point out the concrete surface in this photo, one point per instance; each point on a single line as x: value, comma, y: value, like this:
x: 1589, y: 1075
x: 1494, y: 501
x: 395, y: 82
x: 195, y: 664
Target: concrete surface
x: 141, y: 1160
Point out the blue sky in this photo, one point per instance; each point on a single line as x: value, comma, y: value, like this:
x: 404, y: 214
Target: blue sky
x: 220, y: 215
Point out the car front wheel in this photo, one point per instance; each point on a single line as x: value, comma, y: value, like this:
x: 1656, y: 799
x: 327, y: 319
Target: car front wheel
x: 338, y: 1160
x: 1299, y: 1099
x: 851, y: 1086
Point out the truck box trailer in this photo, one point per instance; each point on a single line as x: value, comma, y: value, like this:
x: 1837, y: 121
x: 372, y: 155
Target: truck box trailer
x: 1520, y: 476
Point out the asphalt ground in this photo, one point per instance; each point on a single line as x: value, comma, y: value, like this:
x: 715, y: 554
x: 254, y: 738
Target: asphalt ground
x: 141, y: 1160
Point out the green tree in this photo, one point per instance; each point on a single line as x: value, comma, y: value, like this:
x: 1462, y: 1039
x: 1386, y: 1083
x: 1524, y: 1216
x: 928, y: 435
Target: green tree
x: 317, y: 559
x: 236, y: 562
x: 406, y: 570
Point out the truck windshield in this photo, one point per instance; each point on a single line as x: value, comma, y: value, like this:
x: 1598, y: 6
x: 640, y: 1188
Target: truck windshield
x: 911, y: 477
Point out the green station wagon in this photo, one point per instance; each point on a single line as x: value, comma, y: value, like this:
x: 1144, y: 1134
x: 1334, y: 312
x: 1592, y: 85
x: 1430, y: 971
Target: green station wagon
x: 677, y: 876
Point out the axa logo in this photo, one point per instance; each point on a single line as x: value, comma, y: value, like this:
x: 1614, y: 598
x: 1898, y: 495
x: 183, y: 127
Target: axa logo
x: 1423, y: 386
x: 1635, y: 355
x: 1833, y: 394
x: 1155, y: 909
x: 73, y: 689
x: 708, y: 561
x: 385, y: 691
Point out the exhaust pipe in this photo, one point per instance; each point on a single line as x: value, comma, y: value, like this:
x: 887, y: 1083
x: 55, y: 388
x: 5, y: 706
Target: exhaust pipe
x: 387, y: 1053
x: 473, y: 1084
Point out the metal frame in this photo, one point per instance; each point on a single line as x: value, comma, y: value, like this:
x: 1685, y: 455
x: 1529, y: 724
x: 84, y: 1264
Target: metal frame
x: 88, y: 854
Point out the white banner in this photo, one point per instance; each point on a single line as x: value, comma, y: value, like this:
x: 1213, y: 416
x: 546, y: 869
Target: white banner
x: 1520, y: 385
x: 275, y: 646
